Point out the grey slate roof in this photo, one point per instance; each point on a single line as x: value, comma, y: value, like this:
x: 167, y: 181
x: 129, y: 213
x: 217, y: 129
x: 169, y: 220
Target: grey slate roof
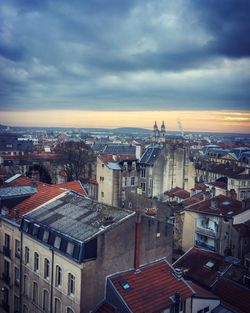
x: 77, y: 216
x: 18, y: 191
x: 150, y: 155
x: 118, y: 149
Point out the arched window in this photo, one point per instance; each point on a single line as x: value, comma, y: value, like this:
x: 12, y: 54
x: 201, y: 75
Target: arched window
x: 71, y: 284
x: 45, y: 300
x: 46, y: 268
x: 36, y: 262
x: 58, y: 280
x: 35, y: 293
x: 69, y: 310
x: 58, y: 306
x: 26, y: 285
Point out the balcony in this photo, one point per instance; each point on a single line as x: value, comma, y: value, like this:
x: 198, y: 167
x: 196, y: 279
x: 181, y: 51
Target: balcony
x: 6, y: 251
x: 5, y: 306
x: 206, y: 231
x: 202, y: 244
x: 6, y: 278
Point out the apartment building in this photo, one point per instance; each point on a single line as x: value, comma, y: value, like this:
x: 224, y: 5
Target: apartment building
x: 208, y: 224
x: 18, y: 196
x: 72, y: 243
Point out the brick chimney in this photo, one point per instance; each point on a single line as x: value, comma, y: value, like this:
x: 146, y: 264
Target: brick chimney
x: 137, y: 241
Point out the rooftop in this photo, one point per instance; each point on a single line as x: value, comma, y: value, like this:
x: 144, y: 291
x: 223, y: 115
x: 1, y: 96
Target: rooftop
x: 202, y: 266
x: 150, y: 155
x: 77, y: 216
x: 151, y: 288
x: 219, y: 205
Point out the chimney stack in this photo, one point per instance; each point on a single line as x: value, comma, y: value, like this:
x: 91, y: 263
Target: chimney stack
x: 137, y: 241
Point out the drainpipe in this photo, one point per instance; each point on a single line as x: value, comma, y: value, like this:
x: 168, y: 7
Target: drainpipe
x: 21, y: 274
x: 137, y: 241
x: 52, y: 280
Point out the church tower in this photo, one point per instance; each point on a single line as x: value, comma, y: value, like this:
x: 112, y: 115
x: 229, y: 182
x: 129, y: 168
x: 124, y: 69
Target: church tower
x: 163, y: 129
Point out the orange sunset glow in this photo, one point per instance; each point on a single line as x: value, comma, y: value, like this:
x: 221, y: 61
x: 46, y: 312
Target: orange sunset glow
x: 221, y: 121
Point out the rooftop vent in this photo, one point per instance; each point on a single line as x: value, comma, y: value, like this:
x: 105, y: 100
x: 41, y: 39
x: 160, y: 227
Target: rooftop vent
x: 178, y: 273
x: 108, y: 220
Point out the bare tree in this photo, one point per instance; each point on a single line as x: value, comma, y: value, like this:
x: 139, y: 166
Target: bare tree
x: 76, y: 157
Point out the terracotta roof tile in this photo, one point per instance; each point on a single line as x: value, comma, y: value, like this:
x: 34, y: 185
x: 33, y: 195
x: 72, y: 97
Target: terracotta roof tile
x: 105, y: 307
x: 74, y: 186
x: 201, y: 292
x: 222, y: 206
x: 234, y: 294
x: 194, y: 265
x: 151, y: 288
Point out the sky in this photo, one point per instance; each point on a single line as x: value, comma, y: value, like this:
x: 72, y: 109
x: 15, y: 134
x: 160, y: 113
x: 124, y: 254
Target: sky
x: 115, y: 63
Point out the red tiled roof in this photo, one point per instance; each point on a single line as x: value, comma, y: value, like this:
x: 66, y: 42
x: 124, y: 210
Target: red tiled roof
x: 219, y: 184
x: 191, y: 200
x: 224, y: 205
x: 172, y: 191
x: 201, y: 292
x: 44, y: 193
x: 22, y: 181
x: 200, y: 186
x: 105, y: 307
x: 151, y: 287
x: 74, y: 186
x: 193, y: 263
x: 234, y: 294
x: 116, y: 158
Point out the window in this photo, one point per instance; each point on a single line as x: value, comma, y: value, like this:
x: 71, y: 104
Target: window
x: 57, y: 306
x: 70, y: 248
x: 26, y: 285
x: 35, y: 229
x: 71, y: 284
x: 58, y: 281
x: 25, y: 309
x: 17, y: 248
x: 57, y: 242
x: 26, y: 255
x: 102, y: 194
x: 35, y: 293
x: 6, y: 269
x: 45, y: 300
x: 7, y: 241
x: 143, y: 172
x: 45, y: 236
x: 36, y: 262
x: 101, y: 178
x: 46, y: 269
x: 143, y: 186
x: 132, y: 181
x: 17, y: 276
x: 16, y: 303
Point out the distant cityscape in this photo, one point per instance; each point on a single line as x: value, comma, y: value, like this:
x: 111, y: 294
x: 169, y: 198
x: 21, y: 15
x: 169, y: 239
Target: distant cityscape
x: 124, y: 220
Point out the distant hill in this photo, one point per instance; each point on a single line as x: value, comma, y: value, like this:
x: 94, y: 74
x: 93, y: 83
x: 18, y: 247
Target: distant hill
x: 134, y: 130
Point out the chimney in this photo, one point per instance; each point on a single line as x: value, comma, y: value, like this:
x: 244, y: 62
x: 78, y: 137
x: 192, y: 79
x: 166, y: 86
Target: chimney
x: 214, y: 204
x: 137, y: 152
x: 137, y: 241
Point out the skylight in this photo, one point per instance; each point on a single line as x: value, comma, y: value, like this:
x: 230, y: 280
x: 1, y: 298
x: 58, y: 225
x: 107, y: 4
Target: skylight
x: 210, y: 264
x: 125, y: 285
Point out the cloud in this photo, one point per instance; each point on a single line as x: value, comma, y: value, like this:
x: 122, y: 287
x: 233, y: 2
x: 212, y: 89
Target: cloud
x: 111, y: 55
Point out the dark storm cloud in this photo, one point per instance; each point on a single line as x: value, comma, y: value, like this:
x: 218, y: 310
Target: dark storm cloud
x: 229, y: 23
x: 143, y: 54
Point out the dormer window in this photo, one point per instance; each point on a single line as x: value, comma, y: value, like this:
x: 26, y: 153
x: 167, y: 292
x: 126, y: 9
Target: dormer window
x: 70, y: 248
x: 57, y: 242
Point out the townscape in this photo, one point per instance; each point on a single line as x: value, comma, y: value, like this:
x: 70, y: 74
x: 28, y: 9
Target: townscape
x: 124, y: 220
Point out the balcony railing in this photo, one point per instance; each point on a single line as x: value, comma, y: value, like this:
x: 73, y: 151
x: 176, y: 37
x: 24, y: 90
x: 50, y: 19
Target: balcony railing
x: 202, y: 244
x: 6, y: 251
x: 5, y: 306
x: 206, y: 231
x: 6, y: 278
